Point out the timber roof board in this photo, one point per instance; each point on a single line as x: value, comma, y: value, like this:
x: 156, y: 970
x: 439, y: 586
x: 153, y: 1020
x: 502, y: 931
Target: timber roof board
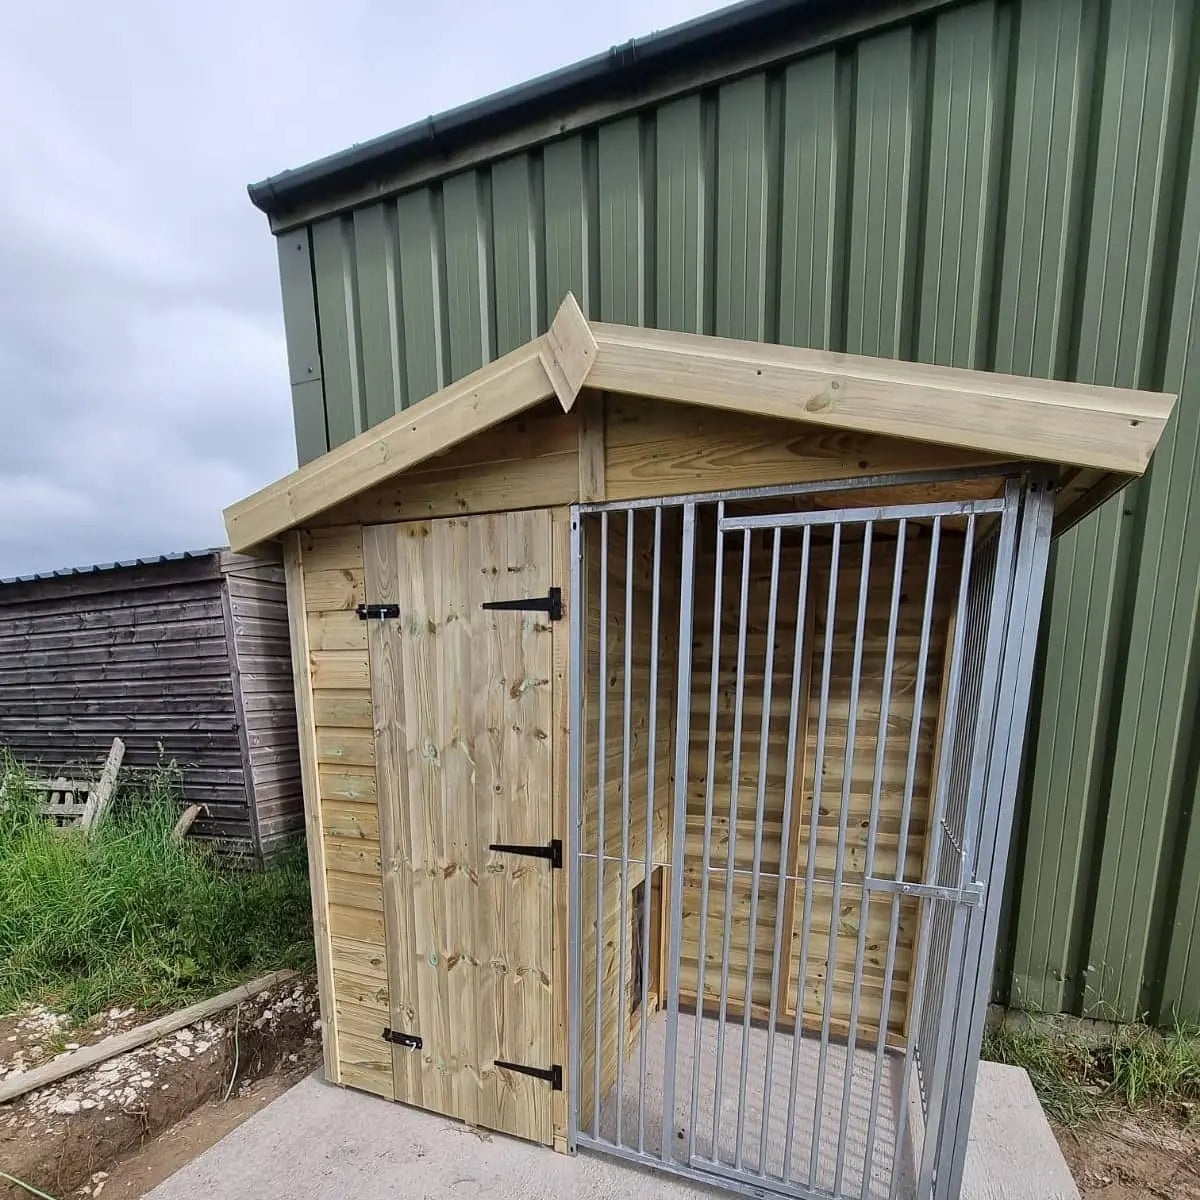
x: 1113, y: 430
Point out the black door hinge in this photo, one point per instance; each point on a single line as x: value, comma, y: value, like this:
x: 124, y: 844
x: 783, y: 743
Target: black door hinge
x: 552, y: 852
x: 411, y: 1040
x: 378, y: 612
x: 552, y: 1075
x: 551, y: 604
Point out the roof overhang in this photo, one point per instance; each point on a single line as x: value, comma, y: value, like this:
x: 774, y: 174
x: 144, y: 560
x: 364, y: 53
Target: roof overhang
x: 1110, y: 430
x: 743, y: 37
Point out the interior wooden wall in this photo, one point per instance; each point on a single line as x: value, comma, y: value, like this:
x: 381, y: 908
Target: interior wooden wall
x: 614, y: 997
x: 796, y: 838
x: 341, y: 809
x: 655, y: 448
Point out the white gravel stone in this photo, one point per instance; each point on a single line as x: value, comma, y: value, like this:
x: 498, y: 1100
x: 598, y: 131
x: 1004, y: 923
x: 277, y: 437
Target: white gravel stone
x: 67, y: 1108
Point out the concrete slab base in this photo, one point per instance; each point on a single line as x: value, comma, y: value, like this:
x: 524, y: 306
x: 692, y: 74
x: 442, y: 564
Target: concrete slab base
x: 1012, y: 1153
x: 849, y: 1142
x: 327, y: 1143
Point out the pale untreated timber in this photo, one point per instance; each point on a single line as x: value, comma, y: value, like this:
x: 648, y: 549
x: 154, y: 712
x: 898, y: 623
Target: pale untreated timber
x: 592, y: 450
x: 1049, y: 421
x: 131, y: 1039
x: 477, y: 402
x: 310, y: 782
x: 568, y: 351
x: 1112, y: 430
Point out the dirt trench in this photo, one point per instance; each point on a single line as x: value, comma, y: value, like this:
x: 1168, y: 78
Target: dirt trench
x: 63, y: 1139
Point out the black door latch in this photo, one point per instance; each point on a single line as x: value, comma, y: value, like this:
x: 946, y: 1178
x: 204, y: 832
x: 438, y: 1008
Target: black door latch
x: 410, y: 1040
x: 377, y: 612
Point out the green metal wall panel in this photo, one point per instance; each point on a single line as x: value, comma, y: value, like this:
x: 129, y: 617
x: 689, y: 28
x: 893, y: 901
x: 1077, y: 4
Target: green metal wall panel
x: 625, y: 192
x: 683, y: 221
x: 816, y: 114
x: 993, y: 184
x: 303, y: 347
x: 746, y: 248
x: 569, y: 222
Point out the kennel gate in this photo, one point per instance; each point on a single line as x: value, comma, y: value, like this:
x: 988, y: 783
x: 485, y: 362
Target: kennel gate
x: 789, y: 825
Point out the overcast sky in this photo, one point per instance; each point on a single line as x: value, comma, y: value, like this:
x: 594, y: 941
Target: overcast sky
x: 143, y: 383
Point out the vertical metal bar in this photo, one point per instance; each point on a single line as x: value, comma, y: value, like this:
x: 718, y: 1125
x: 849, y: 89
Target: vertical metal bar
x: 764, y: 733
x: 705, y: 869
x: 647, y: 862
x: 811, y: 868
x: 840, y: 861
x: 946, y: 1004
x: 683, y: 718
x: 574, y: 831
x: 789, y: 784
x: 914, y: 737
x: 727, y: 922
x: 864, y: 910
x: 622, y: 1016
x: 1028, y: 582
x: 997, y: 631
x: 944, y: 750
x: 601, y: 804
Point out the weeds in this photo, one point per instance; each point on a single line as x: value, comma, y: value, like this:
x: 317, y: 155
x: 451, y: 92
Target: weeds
x: 1136, y: 1067
x: 1149, y: 1068
x: 130, y: 916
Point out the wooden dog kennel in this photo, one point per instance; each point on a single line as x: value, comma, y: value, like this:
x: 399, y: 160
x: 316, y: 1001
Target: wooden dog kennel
x: 660, y: 698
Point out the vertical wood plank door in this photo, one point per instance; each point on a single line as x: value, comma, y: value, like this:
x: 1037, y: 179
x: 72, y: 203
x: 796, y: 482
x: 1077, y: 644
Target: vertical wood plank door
x: 463, y: 703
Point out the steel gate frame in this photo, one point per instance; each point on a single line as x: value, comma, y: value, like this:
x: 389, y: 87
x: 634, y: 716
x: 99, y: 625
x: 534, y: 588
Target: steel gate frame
x: 945, y: 1031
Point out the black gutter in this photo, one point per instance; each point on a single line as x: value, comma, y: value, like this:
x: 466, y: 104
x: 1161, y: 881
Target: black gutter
x: 737, y: 30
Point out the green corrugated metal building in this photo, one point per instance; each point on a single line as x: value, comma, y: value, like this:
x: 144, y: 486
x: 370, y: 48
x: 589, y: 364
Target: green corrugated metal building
x: 1002, y: 184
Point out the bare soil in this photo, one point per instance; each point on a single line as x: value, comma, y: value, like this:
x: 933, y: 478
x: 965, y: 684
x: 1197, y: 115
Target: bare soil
x: 1123, y: 1156
x: 158, y: 1158
x: 66, y: 1138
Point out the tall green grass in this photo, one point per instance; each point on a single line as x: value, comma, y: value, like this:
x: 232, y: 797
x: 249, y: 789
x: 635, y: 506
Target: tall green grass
x: 131, y: 917
x: 1135, y: 1067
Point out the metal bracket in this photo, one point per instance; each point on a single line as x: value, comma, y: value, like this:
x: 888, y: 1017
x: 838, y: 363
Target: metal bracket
x: 410, y: 1040
x: 378, y: 612
x: 551, y: 604
x: 552, y: 1075
x: 552, y: 852
x: 970, y: 894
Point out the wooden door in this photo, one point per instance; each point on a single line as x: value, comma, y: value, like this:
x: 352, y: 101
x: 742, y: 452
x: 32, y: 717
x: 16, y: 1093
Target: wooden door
x: 464, y: 757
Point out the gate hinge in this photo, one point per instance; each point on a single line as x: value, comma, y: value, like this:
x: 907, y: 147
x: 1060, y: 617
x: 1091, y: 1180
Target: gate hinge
x: 550, y: 603
x: 378, y: 612
x: 552, y: 1075
x: 411, y: 1040
x: 552, y: 853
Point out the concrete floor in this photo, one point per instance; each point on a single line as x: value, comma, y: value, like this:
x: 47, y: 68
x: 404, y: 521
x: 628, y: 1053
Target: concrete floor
x: 329, y: 1143
x: 752, y: 1142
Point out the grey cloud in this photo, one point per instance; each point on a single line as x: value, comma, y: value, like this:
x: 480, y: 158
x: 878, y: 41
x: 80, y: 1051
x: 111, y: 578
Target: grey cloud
x: 143, y: 383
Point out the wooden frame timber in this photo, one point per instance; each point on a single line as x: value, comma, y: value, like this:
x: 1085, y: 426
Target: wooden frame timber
x: 1106, y: 432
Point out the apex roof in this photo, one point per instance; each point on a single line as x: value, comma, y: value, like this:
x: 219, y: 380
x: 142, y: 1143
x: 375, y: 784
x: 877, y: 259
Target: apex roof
x: 1111, y: 430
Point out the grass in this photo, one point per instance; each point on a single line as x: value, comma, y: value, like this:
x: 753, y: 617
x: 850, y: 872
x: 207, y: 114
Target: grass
x: 131, y: 917
x: 1136, y: 1067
